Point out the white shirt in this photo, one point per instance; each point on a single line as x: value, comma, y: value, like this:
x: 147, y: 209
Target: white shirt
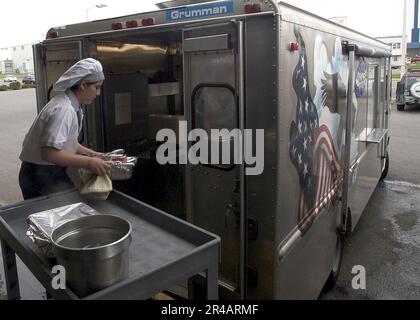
x: 56, y: 126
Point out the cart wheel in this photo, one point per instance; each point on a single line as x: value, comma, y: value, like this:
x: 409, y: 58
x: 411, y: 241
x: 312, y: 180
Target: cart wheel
x: 338, y: 257
x: 385, y: 166
x: 400, y: 107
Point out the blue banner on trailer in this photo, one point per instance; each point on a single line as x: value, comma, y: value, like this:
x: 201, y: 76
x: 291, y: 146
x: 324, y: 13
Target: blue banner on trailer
x: 199, y: 11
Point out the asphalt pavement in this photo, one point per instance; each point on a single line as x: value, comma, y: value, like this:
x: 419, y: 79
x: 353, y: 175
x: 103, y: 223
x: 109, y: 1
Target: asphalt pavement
x: 17, y: 111
x: 386, y: 241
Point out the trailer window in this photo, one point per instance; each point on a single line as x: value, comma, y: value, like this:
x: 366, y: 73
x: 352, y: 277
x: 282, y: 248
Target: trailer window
x: 214, y: 107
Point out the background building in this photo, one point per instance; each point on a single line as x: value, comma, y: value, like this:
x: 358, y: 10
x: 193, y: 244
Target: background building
x: 5, y: 54
x: 23, y: 59
x: 396, y: 44
x: 6, y: 65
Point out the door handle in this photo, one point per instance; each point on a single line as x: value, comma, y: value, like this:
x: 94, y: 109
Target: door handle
x: 231, y: 211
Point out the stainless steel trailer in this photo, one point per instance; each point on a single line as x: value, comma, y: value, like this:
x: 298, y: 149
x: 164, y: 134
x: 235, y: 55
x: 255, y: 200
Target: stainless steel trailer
x: 320, y: 92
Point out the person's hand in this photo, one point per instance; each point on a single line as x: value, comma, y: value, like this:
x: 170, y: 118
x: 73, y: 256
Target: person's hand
x: 98, y: 166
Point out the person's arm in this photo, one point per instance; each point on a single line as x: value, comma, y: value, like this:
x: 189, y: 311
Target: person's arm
x: 64, y: 158
x: 82, y: 150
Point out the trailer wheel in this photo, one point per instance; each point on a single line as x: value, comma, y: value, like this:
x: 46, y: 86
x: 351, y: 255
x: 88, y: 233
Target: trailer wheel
x: 400, y: 107
x: 385, y: 166
x: 338, y: 257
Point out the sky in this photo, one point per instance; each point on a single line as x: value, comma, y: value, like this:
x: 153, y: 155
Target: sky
x: 27, y: 21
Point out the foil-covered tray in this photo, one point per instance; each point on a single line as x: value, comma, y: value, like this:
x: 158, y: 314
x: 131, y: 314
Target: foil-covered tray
x: 122, y: 166
x: 122, y: 170
x: 41, y: 224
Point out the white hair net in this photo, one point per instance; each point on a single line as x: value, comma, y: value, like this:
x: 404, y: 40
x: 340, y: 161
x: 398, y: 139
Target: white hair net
x: 88, y: 69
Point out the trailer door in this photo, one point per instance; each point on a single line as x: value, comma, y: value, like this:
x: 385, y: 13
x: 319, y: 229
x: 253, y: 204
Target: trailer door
x: 51, y: 61
x: 212, y: 91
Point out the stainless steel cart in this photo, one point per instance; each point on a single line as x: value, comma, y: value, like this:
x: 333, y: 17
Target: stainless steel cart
x: 164, y: 252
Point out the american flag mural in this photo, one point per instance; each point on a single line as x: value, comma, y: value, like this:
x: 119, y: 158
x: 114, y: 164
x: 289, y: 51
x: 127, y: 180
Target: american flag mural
x: 312, y: 150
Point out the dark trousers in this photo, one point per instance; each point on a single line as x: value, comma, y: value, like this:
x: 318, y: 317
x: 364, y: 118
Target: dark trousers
x: 39, y: 180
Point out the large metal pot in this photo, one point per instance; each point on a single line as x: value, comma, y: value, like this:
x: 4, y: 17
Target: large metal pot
x: 94, y: 251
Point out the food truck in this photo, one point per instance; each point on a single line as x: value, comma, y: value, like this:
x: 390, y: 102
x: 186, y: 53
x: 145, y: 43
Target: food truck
x: 316, y: 92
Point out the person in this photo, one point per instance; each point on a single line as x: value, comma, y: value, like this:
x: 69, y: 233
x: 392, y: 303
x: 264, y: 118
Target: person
x: 51, y: 145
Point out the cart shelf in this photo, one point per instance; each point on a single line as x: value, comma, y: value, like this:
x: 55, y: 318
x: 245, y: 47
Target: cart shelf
x: 164, y: 250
